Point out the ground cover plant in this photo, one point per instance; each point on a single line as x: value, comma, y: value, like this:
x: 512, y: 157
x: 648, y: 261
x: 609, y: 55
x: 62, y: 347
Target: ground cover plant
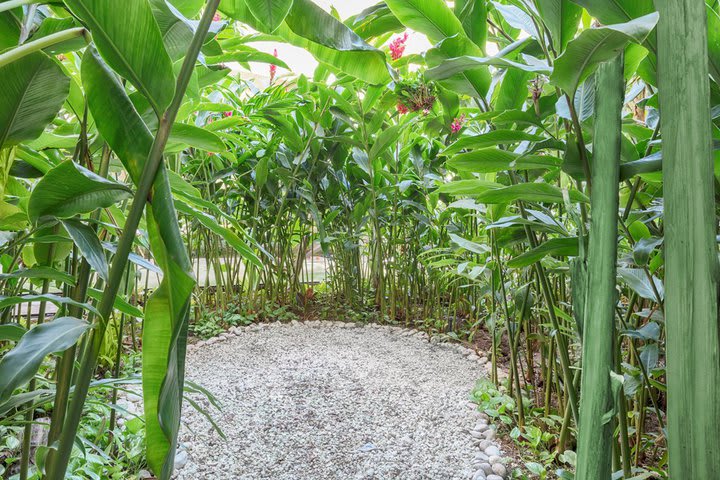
x: 541, y: 182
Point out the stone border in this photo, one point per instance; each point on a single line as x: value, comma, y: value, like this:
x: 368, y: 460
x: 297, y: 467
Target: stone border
x: 488, y: 463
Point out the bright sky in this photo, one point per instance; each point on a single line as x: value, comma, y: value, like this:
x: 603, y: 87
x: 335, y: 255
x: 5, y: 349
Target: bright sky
x: 301, y: 61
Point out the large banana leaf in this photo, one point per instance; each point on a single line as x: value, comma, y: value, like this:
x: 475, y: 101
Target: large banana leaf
x: 270, y: 13
x: 128, y: 37
x: 431, y: 17
x: 325, y: 37
x: 562, y: 18
x: 597, y: 45
x: 70, y: 189
x: 333, y: 43
x: 33, y: 90
x: 165, y: 327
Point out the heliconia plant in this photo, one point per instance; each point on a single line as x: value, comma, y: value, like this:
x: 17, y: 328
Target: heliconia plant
x: 541, y: 177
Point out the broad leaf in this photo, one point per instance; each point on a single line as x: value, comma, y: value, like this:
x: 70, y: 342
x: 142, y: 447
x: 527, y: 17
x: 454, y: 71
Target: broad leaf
x: 597, y: 45
x: 530, y: 192
x: 70, y: 189
x: 89, y: 245
x: 128, y: 37
x: 490, y: 160
x: 562, y: 18
x: 270, y: 13
x: 183, y: 135
x: 33, y: 91
x: 565, y: 247
x: 19, y: 365
x: 166, y: 312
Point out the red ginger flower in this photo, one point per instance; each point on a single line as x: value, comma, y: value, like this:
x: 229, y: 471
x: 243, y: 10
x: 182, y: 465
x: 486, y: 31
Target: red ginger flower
x: 402, y: 109
x: 273, y: 67
x: 227, y: 114
x: 397, y: 46
x: 457, y: 124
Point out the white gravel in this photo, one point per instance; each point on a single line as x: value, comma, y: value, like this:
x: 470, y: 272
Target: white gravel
x: 321, y: 401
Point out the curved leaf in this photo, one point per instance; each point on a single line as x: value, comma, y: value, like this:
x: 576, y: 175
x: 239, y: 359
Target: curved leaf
x: 20, y: 364
x: 530, y: 192
x: 89, y: 245
x: 70, y: 189
x: 490, y: 160
x: 128, y: 37
x: 195, y: 137
x: 597, y: 45
x: 270, y: 13
x: 33, y: 91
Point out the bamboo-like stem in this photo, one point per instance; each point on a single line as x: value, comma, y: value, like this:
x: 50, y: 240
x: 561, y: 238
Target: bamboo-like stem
x: 691, y: 262
x: 39, y: 44
x: 595, y: 445
x: 125, y: 244
x: 10, y: 4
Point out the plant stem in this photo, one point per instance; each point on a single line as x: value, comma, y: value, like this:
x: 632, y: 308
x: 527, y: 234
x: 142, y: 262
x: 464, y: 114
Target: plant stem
x: 39, y: 44
x: 595, y: 445
x: 145, y: 183
x: 691, y: 262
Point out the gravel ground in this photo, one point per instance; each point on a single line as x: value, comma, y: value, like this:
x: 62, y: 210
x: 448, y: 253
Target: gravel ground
x: 322, y: 401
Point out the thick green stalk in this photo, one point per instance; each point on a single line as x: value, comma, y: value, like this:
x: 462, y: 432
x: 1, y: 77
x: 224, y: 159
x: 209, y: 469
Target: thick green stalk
x: 10, y: 4
x: 691, y: 262
x: 595, y: 433
x: 39, y: 44
x: 125, y: 244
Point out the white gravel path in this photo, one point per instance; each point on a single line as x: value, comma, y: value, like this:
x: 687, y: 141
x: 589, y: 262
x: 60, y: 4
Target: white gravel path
x: 320, y: 401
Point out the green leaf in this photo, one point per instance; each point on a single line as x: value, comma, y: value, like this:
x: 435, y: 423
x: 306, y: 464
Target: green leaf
x: 509, y: 96
x: 562, y: 18
x: 70, y: 189
x: 183, y: 134
x: 47, y: 297
x: 331, y: 42
x: 128, y: 38
x: 490, y: 160
x: 713, y: 19
x: 456, y: 65
x: 530, y: 192
x: 637, y: 279
x: 212, y: 224
x: 597, y: 45
x: 19, y: 365
x: 244, y: 54
x: 12, y: 218
x: 431, y: 17
x: 561, y: 247
x: 89, y: 245
x: 470, y: 245
x: 473, y: 16
x: 34, y: 89
x: 166, y: 312
x: 41, y: 273
x: 119, y: 304
x: 468, y: 187
x: 494, y: 137
x: 11, y: 332
x: 176, y: 30
x: 270, y: 13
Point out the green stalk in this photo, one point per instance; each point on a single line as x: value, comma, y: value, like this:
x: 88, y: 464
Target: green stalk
x: 595, y: 440
x: 39, y: 44
x: 10, y: 4
x: 691, y: 262
x: 125, y: 244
